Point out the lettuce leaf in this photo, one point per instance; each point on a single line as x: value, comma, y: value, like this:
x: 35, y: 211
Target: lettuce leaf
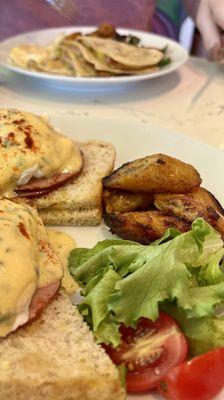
x: 84, y: 264
x: 212, y: 273
x: 108, y: 331
x: 203, y: 334
x: 123, y: 281
x: 97, y: 299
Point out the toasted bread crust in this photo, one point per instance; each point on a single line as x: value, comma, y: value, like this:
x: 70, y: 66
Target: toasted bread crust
x: 85, y: 217
x: 56, y: 358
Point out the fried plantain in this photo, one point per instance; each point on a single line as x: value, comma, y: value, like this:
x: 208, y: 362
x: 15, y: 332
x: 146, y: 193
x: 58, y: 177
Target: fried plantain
x: 181, y: 205
x: 189, y: 206
x: 157, y: 173
x: 143, y: 226
x: 118, y: 200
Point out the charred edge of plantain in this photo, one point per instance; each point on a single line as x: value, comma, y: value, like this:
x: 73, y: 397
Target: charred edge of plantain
x: 217, y: 205
x: 139, y: 233
x: 144, y: 233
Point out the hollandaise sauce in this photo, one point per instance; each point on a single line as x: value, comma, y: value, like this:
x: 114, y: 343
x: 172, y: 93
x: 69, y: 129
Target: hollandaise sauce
x: 27, y: 262
x: 63, y: 244
x: 31, y: 148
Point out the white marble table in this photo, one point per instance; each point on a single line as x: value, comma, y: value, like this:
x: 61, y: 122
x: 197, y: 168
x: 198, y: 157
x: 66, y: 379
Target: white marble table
x: 190, y: 101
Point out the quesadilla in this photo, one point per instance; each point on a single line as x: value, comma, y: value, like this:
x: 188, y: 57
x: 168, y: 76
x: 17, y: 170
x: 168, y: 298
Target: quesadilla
x: 103, y: 52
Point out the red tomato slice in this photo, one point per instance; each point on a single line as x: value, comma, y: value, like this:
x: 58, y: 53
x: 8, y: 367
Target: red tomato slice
x: 149, y: 351
x: 201, y: 378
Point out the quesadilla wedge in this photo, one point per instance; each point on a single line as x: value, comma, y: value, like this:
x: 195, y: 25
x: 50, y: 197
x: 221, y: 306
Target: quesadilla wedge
x: 104, y: 66
x: 129, y: 57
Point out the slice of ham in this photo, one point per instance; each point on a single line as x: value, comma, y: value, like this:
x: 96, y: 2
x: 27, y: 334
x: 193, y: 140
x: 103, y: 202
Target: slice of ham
x: 40, y: 186
x: 41, y: 298
x: 35, y: 193
x: 45, y: 183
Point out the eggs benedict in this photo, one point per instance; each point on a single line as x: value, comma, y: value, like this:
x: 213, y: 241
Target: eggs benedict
x: 34, y: 158
x: 30, y: 270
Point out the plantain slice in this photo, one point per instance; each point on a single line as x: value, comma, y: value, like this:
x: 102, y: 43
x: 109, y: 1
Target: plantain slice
x: 157, y: 173
x: 143, y: 226
x: 189, y: 206
x: 120, y: 200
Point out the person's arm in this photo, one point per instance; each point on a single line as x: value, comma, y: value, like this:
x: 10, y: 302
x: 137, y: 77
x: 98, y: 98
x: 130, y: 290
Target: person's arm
x: 209, y: 19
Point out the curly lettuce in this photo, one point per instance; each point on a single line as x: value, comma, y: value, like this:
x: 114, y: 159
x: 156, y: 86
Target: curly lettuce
x: 123, y: 281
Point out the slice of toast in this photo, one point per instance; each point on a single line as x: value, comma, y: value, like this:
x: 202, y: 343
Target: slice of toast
x: 80, y: 201
x: 84, y: 217
x: 56, y: 358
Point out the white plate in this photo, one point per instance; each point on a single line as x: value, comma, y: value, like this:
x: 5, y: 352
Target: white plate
x: 133, y: 139
x: 177, y: 53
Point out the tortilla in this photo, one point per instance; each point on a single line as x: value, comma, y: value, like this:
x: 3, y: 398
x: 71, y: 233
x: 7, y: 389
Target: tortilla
x: 51, y: 66
x: 91, y: 59
x: 23, y: 54
x: 71, y: 55
x: 130, y: 57
x: 37, y: 58
x: 99, y: 66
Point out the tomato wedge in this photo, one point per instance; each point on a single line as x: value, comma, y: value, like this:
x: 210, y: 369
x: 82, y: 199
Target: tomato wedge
x: 201, y: 378
x: 149, y: 351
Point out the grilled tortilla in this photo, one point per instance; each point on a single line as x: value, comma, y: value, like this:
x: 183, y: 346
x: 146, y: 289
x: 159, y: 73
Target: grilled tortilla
x: 122, y: 54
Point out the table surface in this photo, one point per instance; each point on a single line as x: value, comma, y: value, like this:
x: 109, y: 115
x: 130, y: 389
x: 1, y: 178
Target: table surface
x: 190, y: 101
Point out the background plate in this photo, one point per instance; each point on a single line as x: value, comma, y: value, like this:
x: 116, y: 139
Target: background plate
x: 42, y: 37
x: 133, y: 139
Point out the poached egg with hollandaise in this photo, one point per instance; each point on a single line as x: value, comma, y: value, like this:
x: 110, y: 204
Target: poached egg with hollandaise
x: 34, y: 158
x: 33, y: 264
x: 30, y: 270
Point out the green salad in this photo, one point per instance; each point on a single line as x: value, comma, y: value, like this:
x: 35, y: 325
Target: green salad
x: 181, y: 274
